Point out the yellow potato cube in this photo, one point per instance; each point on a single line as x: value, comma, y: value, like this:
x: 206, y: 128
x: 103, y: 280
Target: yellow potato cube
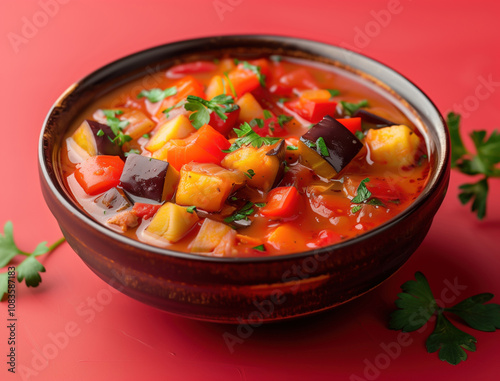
x: 172, y: 222
x: 249, y: 108
x: 209, y: 236
x: 215, y: 87
x: 178, y: 128
x: 395, y: 146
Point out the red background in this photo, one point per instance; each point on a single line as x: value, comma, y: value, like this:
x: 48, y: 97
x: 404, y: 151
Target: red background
x: 444, y: 47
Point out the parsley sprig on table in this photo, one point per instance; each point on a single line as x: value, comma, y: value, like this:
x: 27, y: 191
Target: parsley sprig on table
x: 484, y: 162
x: 247, y: 136
x: 30, y: 268
x: 202, y: 108
x: 417, y: 305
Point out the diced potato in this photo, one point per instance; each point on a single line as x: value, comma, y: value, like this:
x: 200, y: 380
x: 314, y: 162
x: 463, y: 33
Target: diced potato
x: 395, y: 146
x: 84, y: 137
x: 215, y: 87
x: 286, y: 238
x: 139, y: 124
x: 249, y: 108
x: 255, y: 159
x: 172, y: 222
x: 207, y: 185
x: 209, y: 236
x: 178, y: 128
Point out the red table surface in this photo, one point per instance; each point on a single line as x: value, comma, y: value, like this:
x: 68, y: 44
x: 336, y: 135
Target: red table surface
x: 447, y: 48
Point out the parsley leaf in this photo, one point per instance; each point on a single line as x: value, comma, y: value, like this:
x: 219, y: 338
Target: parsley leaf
x: 257, y: 122
x: 260, y: 248
x: 267, y: 114
x: 292, y: 148
x: 117, y: 126
x: 257, y: 71
x: 30, y: 268
x: 359, y: 135
x: 480, y: 316
x: 202, y: 108
x: 231, y: 86
x: 157, y: 95
x: 362, y: 193
x: 484, y: 162
x: 247, y: 136
x: 282, y: 119
x: 450, y: 341
x: 323, y: 149
x: 241, y: 214
x: 351, y: 108
x: 250, y: 173
x: 191, y: 209
x: 333, y: 92
x: 416, y: 306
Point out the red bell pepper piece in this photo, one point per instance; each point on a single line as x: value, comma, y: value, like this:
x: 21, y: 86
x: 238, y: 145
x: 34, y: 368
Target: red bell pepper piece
x: 224, y: 126
x: 352, y: 124
x: 313, y: 105
x: 191, y: 68
x: 281, y: 202
x: 185, y: 86
x: 100, y: 173
x: 245, y: 80
x: 204, y: 146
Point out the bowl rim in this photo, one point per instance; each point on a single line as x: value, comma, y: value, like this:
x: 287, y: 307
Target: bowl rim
x: 440, y: 170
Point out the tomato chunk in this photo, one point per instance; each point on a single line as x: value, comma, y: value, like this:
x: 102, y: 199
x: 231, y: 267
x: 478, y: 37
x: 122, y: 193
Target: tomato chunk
x: 100, y: 173
x: 145, y: 211
x: 281, y: 202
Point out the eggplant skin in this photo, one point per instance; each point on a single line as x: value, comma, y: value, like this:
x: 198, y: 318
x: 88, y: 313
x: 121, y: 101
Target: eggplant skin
x: 104, y: 143
x: 280, y: 153
x: 372, y: 121
x: 145, y: 178
x: 113, y: 200
x: 341, y: 143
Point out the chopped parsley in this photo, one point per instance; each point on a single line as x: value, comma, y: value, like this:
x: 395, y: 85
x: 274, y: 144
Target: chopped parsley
x: 250, y: 173
x: 260, y: 248
x: 231, y: 86
x: 333, y: 92
x: 117, y: 126
x: 146, y: 136
x: 364, y: 197
x: 257, y: 122
x: 191, y: 209
x: 157, y: 95
x: 257, y: 71
x: 167, y: 110
x: 241, y: 214
x: 292, y: 148
x: 359, y: 135
x: 132, y: 151
x: 267, y: 114
x: 282, y: 119
x: 351, y: 108
x: 416, y: 305
x: 247, y: 136
x: 323, y: 149
x: 202, y: 108
x: 100, y: 132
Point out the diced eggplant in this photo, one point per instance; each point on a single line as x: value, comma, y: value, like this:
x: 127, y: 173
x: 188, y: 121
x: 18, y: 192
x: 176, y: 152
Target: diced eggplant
x: 279, y: 152
x: 147, y: 178
x: 371, y: 121
x: 207, y: 185
x: 263, y: 165
x: 96, y: 139
x: 172, y: 222
x: 328, y: 147
x: 113, y: 200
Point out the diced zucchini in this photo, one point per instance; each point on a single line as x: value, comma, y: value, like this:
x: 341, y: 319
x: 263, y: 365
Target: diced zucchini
x: 395, y: 146
x: 249, y: 108
x: 178, y: 128
x: 172, y: 222
x: 209, y: 236
x: 207, y: 185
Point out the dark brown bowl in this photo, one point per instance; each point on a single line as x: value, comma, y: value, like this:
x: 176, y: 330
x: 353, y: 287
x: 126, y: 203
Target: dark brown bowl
x: 235, y: 290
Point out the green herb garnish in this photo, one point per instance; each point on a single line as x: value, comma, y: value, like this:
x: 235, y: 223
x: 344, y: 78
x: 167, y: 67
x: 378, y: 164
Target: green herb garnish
x: 231, y: 86
x: 260, y: 248
x: 416, y: 305
x: 484, y: 163
x: 100, y: 132
x: 257, y: 71
x: 247, y: 136
x: 282, y: 119
x: 257, y: 122
x: 157, y: 95
x: 132, y: 151
x: 117, y: 126
x: 267, y: 114
x: 250, y: 173
x: 30, y: 268
x: 364, y: 197
x: 241, y: 214
x: 351, y: 108
x: 191, y: 209
x: 359, y: 135
x: 333, y: 92
x: 202, y: 108
x: 321, y: 145
x: 292, y: 148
